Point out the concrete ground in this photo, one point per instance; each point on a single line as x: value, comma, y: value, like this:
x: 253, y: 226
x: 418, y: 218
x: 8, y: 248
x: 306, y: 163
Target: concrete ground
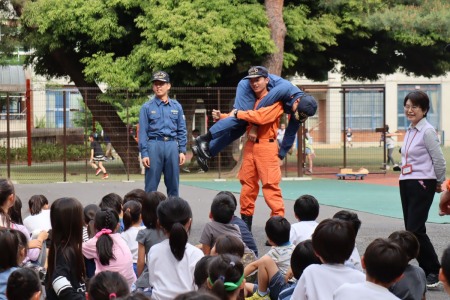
x: 373, y: 226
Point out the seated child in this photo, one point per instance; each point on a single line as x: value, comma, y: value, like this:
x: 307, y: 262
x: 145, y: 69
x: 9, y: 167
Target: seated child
x: 107, y: 285
x: 222, y: 211
x: 109, y: 251
x: 201, y: 272
x: 11, y: 257
x: 273, y: 266
x: 39, y: 218
x: 132, y: 224
x: 333, y: 242
x: 302, y: 256
x: 171, y: 263
x: 114, y: 202
x: 89, y: 212
x: 384, y: 262
x: 247, y: 236
x: 355, y: 259
x: 413, y: 284
x: 24, y: 284
x: 226, y: 277
x: 306, y: 209
x: 444, y: 272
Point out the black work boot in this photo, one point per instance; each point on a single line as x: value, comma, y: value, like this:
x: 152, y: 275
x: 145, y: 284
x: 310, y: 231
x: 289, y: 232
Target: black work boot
x: 248, y: 220
x: 202, y: 147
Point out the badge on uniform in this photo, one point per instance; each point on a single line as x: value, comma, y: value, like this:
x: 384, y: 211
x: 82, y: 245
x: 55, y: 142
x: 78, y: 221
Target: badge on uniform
x: 407, y: 169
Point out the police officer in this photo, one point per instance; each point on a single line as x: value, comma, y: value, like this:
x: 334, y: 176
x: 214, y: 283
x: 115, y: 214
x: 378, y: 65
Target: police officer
x: 162, y: 137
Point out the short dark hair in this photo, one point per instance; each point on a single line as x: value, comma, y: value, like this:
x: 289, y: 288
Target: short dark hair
x: 384, y: 260
x: 306, y: 208
x: 103, y: 284
x: 113, y: 201
x: 278, y: 230
x: 407, y: 241
x: 445, y: 262
x: 419, y: 98
x: 23, y: 283
x: 201, y: 271
x: 349, y: 216
x: 222, y: 208
x: 229, y: 194
x: 303, y: 256
x: 138, y: 195
x: 229, y: 244
x: 334, y: 240
x: 36, y: 203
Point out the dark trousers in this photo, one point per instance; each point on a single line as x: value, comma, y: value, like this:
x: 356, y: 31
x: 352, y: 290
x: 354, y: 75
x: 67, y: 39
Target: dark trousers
x: 164, y: 159
x: 417, y: 197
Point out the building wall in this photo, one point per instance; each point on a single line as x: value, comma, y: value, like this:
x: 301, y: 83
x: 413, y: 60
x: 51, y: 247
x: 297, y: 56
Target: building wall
x: 391, y: 83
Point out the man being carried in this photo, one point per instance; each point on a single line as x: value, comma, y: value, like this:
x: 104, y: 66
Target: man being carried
x: 223, y: 132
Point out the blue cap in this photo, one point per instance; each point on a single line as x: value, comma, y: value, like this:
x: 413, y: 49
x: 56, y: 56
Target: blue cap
x: 307, y: 106
x: 160, y: 76
x: 257, y: 71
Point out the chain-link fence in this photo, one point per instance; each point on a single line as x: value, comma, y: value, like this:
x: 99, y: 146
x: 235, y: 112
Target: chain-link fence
x: 44, y: 133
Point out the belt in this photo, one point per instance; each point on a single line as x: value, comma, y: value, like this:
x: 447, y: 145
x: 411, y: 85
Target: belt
x: 161, y: 138
x: 264, y: 140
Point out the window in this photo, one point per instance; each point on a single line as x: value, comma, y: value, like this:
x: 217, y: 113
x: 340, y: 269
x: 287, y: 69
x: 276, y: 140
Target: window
x: 434, y: 93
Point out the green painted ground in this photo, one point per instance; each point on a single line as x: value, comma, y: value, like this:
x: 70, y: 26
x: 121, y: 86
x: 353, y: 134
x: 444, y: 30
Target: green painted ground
x: 371, y: 198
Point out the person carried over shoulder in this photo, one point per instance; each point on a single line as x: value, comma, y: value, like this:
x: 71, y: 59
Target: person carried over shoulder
x: 226, y: 130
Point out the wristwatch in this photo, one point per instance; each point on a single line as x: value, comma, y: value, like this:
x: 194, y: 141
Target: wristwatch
x: 235, y: 113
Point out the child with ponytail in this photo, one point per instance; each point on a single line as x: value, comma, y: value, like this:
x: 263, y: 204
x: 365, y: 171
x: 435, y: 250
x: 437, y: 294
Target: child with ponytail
x: 132, y: 224
x: 107, y: 248
x: 226, y: 277
x: 171, y: 263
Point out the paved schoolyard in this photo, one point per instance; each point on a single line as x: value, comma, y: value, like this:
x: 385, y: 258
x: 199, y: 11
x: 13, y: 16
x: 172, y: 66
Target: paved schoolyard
x: 373, y: 226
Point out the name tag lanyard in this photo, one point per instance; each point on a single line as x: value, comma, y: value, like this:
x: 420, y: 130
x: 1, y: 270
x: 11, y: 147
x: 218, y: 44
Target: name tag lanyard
x: 407, y: 168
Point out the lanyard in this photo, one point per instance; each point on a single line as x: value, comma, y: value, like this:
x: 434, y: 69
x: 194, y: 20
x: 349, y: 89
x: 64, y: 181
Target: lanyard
x: 407, y: 147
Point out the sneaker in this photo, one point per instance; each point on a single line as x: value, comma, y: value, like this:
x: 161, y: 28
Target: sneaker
x: 186, y: 170
x: 105, y: 176
x: 432, y: 280
x: 200, y: 171
x: 97, y: 171
x: 257, y: 296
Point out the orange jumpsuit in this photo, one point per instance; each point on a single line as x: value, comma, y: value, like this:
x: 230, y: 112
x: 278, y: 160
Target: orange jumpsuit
x: 261, y: 162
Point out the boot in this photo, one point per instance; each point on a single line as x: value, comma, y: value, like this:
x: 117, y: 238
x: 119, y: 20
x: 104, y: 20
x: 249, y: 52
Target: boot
x: 248, y: 220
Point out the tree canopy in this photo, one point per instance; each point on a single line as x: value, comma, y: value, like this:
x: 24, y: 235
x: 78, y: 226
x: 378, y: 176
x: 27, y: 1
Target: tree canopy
x: 205, y: 42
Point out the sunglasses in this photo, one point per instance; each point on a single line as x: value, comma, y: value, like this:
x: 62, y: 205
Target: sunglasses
x: 301, y: 117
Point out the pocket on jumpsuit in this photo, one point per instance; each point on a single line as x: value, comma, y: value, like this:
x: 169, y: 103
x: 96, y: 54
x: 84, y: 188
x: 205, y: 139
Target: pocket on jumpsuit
x: 274, y: 174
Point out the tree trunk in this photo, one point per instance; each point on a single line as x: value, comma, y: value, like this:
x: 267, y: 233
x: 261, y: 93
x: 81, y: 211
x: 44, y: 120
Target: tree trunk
x: 102, y: 112
x: 274, y: 10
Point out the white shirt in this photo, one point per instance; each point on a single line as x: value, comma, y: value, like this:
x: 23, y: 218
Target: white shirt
x: 354, y: 261
x: 169, y: 277
x: 130, y: 238
x: 318, y: 282
x: 302, y: 231
x: 40, y: 222
x: 364, y: 290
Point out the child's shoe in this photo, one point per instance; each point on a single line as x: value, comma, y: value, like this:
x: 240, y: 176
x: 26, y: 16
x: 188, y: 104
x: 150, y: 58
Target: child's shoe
x: 105, y: 176
x: 97, y: 171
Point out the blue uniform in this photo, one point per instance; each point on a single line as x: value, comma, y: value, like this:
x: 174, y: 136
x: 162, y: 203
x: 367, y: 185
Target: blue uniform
x: 229, y: 129
x: 162, y: 136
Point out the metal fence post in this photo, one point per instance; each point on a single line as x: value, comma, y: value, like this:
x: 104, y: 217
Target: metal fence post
x: 64, y: 137
x: 8, y: 139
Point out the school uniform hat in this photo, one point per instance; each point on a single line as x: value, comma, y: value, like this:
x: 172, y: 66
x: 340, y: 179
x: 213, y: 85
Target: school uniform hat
x: 160, y: 76
x: 257, y: 71
x: 307, y: 106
